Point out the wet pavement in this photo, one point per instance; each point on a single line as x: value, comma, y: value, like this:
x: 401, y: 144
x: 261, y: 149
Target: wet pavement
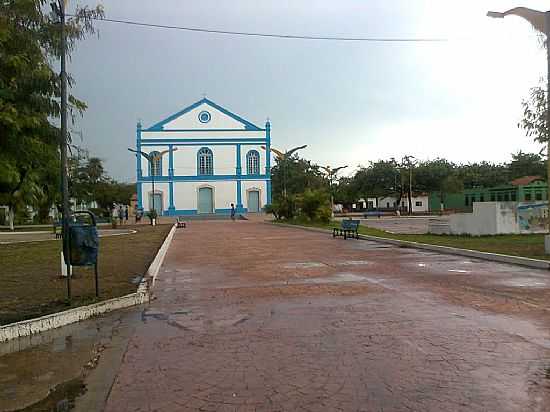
x: 249, y: 316
x: 52, y: 370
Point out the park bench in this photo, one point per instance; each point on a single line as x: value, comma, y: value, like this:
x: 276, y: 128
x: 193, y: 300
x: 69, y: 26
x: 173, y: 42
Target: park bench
x: 180, y: 223
x: 347, y: 228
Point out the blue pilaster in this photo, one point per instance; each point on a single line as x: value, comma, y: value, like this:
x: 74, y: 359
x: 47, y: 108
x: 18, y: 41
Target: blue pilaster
x: 268, y: 160
x: 171, y: 207
x: 139, y: 185
x: 239, y: 205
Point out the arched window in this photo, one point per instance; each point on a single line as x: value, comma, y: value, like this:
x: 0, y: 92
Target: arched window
x: 205, y: 161
x: 155, y: 165
x: 253, y: 163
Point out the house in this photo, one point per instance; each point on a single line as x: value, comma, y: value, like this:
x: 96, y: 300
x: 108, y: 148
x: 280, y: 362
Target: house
x: 207, y: 158
x: 420, y: 203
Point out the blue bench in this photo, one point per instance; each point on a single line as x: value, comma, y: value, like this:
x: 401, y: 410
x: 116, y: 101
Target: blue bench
x: 348, y: 228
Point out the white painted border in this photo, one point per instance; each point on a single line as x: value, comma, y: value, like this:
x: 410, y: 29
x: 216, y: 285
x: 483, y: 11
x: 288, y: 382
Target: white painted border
x: 56, y: 320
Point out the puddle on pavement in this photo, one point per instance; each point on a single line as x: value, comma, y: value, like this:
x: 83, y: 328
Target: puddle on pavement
x: 337, y: 278
x: 46, y: 370
x: 525, y: 283
x: 353, y: 263
x: 303, y: 265
x: 60, y: 399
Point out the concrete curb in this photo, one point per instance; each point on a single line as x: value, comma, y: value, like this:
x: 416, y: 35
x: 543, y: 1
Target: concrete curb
x: 494, y: 257
x: 154, y: 268
x: 59, y: 319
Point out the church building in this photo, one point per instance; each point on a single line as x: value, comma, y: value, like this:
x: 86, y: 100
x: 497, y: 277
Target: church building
x: 206, y: 158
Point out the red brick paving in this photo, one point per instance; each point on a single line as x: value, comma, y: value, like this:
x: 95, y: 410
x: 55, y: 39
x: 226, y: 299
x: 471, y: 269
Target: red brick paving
x: 249, y: 316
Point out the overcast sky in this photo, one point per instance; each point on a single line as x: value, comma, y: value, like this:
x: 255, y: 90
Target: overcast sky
x: 350, y: 102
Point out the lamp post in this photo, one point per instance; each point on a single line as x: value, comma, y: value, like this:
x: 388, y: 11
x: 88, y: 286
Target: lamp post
x: 540, y: 20
x: 283, y: 159
x: 152, y: 158
x: 408, y: 161
x: 331, y: 172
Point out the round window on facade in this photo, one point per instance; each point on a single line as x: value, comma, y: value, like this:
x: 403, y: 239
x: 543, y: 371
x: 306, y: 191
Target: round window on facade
x: 204, y: 117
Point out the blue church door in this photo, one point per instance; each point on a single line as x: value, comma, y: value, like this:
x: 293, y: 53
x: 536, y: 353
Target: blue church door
x: 206, y: 200
x: 253, y: 201
x: 156, y: 202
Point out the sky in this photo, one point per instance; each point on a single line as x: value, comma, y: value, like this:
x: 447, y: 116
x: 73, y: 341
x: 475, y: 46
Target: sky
x: 350, y: 102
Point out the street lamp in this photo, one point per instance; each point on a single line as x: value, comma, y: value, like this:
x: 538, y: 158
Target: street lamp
x: 331, y: 172
x: 283, y: 159
x: 408, y: 161
x: 152, y: 158
x: 540, y: 21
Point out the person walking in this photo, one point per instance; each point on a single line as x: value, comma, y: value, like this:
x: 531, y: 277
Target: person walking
x: 121, y: 214
x: 126, y: 214
x: 232, y: 212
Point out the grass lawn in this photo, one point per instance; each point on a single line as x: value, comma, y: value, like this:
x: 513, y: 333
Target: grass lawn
x: 531, y: 246
x: 31, y: 285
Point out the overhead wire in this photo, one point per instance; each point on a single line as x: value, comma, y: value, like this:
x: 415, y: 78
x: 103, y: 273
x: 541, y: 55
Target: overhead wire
x: 275, y: 35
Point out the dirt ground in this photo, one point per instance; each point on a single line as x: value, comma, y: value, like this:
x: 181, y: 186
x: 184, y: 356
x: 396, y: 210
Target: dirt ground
x: 249, y: 316
x: 31, y: 285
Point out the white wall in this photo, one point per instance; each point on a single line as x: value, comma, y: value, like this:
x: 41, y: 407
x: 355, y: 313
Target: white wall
x: 186, y: 194
x: 487, y: 218
x: 190, y: 120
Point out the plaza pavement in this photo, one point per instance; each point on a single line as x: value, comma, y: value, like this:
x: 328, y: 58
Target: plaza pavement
x: 249, y: 316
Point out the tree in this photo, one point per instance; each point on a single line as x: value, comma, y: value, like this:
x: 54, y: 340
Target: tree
x: 483, y: 174
x: 526, y: 164
x: 379, y: 179
x: 301, y: 174
x: 29, y: 98
x: 437, y: 175
x: 534, y: 115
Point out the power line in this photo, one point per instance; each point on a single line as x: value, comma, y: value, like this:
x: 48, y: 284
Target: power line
x: 275, y: 35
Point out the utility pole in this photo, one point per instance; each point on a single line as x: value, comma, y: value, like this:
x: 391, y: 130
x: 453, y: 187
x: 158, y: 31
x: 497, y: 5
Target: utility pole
x: 547, y: 32
x: 408, y: 161
x: 59, y: 9
x: 540, y: 21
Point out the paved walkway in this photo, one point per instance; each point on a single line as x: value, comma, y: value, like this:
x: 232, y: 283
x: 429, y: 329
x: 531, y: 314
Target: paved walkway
x: 249, y: 316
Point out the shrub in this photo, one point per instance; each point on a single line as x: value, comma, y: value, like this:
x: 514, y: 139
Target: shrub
x: 312, y: 203
x: 283, y: 208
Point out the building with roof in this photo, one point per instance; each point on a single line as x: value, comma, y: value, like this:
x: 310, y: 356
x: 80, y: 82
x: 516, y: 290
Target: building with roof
x: 207, y: 158
x: 523, y: 189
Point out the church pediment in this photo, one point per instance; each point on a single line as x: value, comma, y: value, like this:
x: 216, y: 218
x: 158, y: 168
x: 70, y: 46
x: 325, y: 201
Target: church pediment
x: 204, y: 115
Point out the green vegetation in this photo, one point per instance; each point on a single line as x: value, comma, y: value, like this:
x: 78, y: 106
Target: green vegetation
x: 32, y: 287
x: 29, y: 100
x: 530, y: 246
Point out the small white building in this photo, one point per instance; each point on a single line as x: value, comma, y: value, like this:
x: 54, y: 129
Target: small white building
x: 420, y: 203
x: 209, y: 159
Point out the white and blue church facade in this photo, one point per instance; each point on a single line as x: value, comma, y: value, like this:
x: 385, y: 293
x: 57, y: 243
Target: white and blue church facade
x: 206, y: 159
